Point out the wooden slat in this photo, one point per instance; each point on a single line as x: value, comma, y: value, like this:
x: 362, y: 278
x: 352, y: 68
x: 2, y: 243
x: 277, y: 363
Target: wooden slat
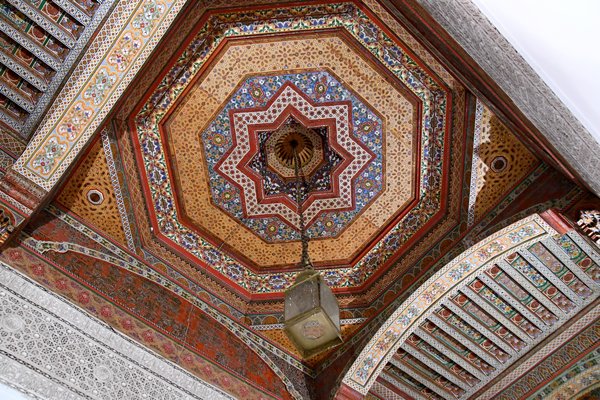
x: 555, y: 249
x: 496, y: 314
x: 74, y: 11
x: 44, y: 22
x: 439, y: 346
x: 408, y: 370
x: 513, y: 302
x: 479, y: 327
x: 19, y: 99
x: 528, y: 286
x: 29, y: 44
x: 551, y: 277
x: 472, y: 346
x: 447, y: 374
x: 24, y: 72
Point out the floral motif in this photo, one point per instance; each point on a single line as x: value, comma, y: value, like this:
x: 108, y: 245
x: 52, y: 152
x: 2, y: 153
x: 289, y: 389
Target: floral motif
x: 321, y: 86
x: 389, y: 338
x: 569, y: 246
x: 490, y: 250
x: 457, y: 273
x: 45, y: 160
x: 97, y: 91
x: 256, y: 92
x: 365, y: 369
x: 408, y: 316
x: 38, y: 269
x: 146, y: 20
x: 77, y: 117
x: 519, y: 235
x: 434, y: 290
x: 127, y: 48
x: 466, y: 328
x: 489, y: 295
x: 529, y: 271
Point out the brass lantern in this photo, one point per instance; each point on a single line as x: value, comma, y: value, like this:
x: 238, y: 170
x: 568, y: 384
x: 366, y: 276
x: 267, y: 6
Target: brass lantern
x: 312, y: 313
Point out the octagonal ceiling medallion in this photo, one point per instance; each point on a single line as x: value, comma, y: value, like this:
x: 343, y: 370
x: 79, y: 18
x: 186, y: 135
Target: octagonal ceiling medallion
x: 211, y: 141
x: 336, y: 193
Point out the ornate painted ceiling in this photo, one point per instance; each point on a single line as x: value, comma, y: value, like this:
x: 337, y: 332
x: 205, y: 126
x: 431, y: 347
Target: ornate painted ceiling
x: 205, y: 186
x: 178, y: 223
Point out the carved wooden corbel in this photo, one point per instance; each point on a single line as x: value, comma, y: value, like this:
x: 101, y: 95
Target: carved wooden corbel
x: 589, y: 222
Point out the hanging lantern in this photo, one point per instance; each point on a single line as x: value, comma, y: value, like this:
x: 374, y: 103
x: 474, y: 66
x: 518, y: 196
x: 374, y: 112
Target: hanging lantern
x: 312, y: 314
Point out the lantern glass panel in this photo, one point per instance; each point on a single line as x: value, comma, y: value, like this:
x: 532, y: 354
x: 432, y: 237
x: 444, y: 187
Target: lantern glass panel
x: 329, y: 303
x: 312, y: 314
x: 303, y: 296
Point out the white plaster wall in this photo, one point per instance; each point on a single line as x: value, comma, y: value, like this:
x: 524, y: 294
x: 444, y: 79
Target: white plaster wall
x: 8, y: 393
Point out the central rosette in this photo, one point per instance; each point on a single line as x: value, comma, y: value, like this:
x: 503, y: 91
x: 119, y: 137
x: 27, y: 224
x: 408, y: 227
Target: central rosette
x: 275, y: 160
x: 249, y: 147
x: 292, y: 137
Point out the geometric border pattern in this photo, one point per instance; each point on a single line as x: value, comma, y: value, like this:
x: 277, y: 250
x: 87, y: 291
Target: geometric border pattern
x: 578, y: 386
x: 107, y: 136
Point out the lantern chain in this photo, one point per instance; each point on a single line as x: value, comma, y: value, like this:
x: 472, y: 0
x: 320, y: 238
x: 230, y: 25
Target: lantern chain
x: 305, y: 260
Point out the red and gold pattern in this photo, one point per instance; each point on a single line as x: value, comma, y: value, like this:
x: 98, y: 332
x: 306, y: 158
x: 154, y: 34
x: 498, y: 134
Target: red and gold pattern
x: 149, y: 314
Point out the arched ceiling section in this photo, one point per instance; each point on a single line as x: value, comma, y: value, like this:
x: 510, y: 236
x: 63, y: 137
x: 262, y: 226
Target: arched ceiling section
x: 480, y: 313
